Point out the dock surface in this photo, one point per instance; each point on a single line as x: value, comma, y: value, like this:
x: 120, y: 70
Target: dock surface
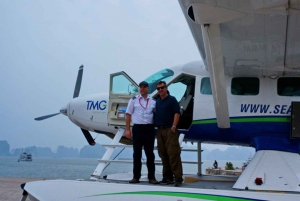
x: 10, y: 189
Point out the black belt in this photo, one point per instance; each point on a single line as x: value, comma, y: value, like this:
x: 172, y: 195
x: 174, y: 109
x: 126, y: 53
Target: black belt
x: 143, y: 124
x: 163, y: 127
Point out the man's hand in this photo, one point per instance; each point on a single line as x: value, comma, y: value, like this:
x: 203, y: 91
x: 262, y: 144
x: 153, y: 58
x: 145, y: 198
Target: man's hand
x: 128, y: 133
x: 173, y: 129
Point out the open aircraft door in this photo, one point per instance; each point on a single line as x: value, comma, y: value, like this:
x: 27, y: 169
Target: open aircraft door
x: 121, y: 89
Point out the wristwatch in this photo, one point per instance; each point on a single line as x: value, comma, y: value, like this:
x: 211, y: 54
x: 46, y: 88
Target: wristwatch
x: 174, y: 127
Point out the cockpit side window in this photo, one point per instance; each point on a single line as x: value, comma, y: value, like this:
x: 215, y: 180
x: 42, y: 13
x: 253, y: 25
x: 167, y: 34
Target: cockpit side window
x: 163, y: 75
x: 245, y: 86
x: 205, y: 86
x: 288, y: 86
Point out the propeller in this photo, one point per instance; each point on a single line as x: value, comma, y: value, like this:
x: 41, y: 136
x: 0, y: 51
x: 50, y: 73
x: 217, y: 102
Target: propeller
x: 88, y: 137
x: 45, y: 117
x: 75, y: 95
x: 78, y: 82
x: 63, y: 110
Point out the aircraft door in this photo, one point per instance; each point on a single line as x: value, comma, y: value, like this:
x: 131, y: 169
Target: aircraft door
x: 121, y: 89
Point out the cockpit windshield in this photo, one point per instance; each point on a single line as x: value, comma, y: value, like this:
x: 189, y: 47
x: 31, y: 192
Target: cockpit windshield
x: 163, y: 75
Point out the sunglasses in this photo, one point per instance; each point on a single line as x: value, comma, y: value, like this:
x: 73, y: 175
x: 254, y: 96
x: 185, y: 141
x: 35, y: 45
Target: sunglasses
x: 159, y: 88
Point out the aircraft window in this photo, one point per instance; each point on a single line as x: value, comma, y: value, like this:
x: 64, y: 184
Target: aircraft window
x: 205, y: 86
x: 245, y: 86
x: 288, y: 86
x: 177, y: 90
x: 121, y: 85
x: 163, y: 75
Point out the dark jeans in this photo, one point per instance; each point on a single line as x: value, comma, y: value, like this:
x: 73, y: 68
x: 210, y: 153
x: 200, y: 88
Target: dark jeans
x: 169, y: 152
x: 143, y: 135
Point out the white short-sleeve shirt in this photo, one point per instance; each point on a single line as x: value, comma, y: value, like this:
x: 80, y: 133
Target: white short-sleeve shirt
x: 141, y: 109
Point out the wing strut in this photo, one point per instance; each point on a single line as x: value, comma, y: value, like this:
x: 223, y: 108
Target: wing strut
x: 214, y: 56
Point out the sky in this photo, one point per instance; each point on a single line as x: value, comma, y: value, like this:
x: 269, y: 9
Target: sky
x: 43, y: 43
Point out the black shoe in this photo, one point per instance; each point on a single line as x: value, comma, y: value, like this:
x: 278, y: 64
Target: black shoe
x: 166, y: 182
x: 178, y: 183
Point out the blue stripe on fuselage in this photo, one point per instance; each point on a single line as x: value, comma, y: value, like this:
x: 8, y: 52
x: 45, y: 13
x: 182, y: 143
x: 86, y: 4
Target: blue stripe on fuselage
x: 261, y: 135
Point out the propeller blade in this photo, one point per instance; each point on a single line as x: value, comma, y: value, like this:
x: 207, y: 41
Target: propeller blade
x: 88, y: 137
x: 78, y: 82
x: 45, y: 117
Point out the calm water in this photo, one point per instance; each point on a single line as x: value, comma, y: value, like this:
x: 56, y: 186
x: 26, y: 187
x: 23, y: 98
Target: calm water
x: 76, y: 168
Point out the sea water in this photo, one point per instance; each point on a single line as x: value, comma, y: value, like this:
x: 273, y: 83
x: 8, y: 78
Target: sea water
x: 79, y: 168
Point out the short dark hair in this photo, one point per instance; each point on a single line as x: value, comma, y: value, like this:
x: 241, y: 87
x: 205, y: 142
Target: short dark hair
x: 161, y: 82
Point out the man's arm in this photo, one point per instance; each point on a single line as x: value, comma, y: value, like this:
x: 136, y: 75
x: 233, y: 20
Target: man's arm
x: 175, y: 122
x: 176, y: 109
x: 128, y: 120
x: 129, y: 111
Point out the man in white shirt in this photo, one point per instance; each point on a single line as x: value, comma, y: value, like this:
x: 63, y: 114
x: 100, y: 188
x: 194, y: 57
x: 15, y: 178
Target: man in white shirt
x: 140, y: 111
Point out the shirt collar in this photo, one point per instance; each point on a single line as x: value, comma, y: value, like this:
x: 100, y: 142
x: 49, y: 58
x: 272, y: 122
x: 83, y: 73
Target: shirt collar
x: 164, y: 98
x: 139, y: 96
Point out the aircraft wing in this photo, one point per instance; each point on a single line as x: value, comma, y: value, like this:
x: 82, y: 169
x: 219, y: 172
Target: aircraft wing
x: 244, y: 38
x: 278, y: 170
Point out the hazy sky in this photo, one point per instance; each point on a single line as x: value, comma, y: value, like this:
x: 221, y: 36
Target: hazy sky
x: 43, y: 43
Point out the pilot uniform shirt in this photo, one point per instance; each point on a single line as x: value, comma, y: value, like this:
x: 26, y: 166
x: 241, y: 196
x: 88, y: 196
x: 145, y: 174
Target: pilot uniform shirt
x: 141, y: 109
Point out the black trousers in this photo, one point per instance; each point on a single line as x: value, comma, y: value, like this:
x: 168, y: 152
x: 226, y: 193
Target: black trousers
x: 143, y: 135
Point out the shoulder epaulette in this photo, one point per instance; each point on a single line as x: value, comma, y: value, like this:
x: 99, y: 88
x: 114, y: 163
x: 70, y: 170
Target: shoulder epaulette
x: 134, y: 97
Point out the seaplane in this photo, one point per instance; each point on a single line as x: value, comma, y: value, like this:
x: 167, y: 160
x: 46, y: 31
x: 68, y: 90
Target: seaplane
x: 245, y: 91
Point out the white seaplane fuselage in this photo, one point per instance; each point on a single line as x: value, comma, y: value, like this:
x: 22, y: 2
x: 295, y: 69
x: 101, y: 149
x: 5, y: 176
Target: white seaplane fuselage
x: 255, y: 117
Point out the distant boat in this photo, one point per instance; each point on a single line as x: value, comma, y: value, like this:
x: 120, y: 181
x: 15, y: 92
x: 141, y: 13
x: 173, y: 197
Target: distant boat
x: 246, y: 163
x: 25, y: 157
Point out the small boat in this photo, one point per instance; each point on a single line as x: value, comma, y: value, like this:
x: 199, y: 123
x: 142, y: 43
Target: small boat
x: 246, y: 163
x: 25, y: 157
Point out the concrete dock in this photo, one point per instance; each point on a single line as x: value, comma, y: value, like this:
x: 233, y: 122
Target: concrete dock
x: 221, y: 171
x: 10, y: 189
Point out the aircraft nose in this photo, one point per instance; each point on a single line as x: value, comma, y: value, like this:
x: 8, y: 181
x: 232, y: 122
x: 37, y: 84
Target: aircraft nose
x: 64, y: 110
